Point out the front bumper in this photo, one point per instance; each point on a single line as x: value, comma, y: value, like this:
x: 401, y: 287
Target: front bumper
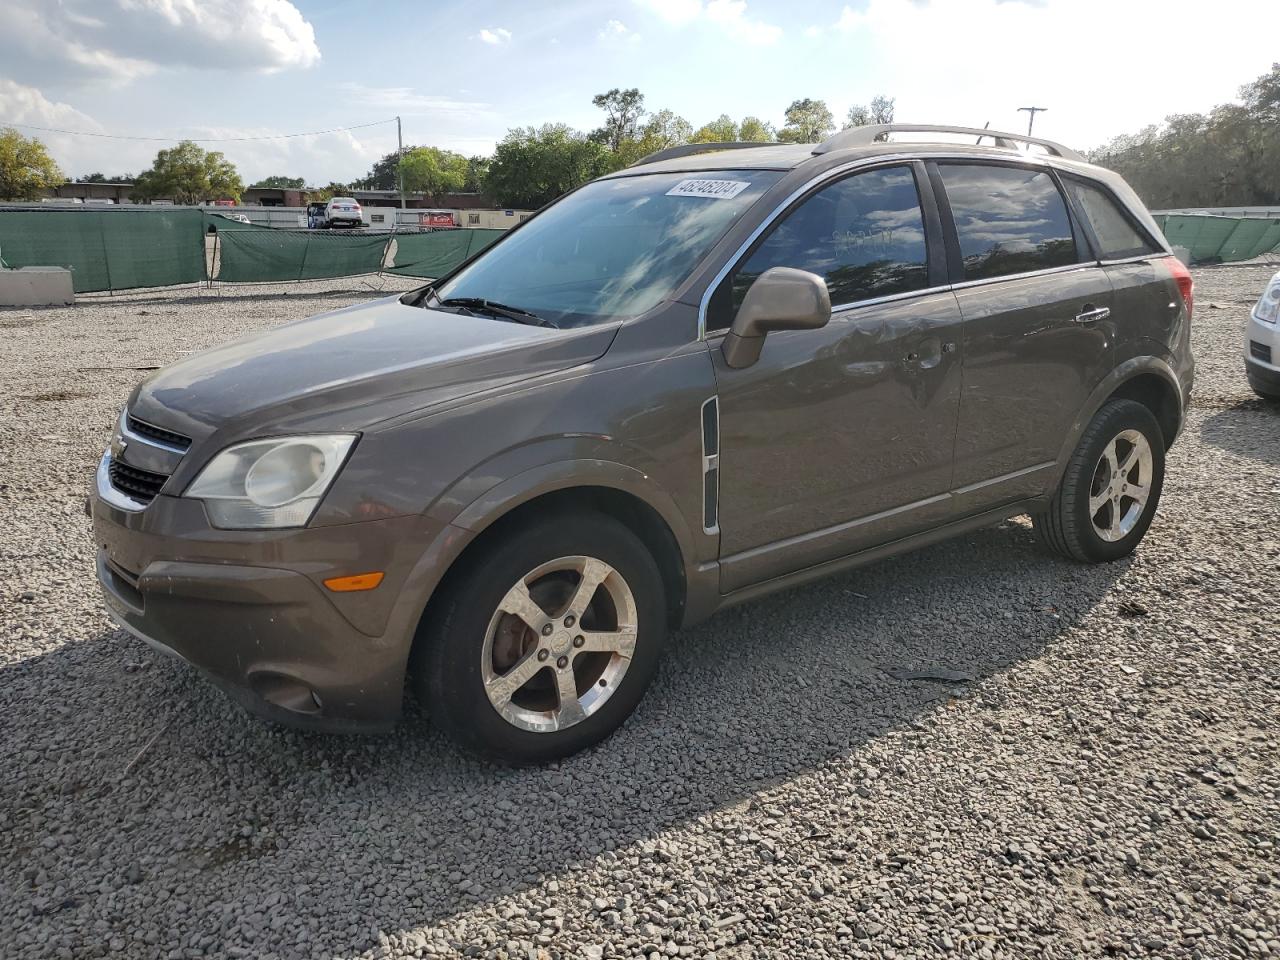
x: 1264, y: 376
x: 249, y: 608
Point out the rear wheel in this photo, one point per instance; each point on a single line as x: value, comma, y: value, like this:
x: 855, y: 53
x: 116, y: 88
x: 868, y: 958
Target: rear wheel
x: 1110, y: 488
x: 544, y: 642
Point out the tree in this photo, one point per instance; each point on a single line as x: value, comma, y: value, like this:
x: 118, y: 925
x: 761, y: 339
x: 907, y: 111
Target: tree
x: 534, y: 165
x: 433, y: 172
x: 720, y: 130
x: 808, y: 121
x: 328, y: 192
x: 663, y: 129
x: 25, y: 167
x: 102, y: 178
x: 189, y: 174
x: 477, y: 169
x: 880, y: 111
x: 281, y: 183
x: 755, y: 130
x: 1222, y: 158
x: 382, y: 176
x: 623, y: 110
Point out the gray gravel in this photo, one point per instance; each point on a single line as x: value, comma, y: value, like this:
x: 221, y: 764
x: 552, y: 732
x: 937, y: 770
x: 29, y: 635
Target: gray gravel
x: 794, y: 785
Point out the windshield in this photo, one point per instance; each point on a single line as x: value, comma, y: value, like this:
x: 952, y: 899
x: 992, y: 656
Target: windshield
x: 611, y: 250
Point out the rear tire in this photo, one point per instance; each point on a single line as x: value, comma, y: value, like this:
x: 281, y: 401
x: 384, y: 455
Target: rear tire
x: 537, y: 685
x: 1110, y: 489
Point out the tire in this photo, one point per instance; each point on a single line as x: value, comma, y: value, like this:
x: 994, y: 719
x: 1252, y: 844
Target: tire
x: 1121, y: 429
x: 470, y: 644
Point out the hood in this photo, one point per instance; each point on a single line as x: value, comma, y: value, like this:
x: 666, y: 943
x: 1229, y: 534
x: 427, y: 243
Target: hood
x: 354, y: 367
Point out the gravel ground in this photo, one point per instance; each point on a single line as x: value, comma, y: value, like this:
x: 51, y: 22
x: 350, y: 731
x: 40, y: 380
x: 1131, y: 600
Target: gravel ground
x: 1097, y: 777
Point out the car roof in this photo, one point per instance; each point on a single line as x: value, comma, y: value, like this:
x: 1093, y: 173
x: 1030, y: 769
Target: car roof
x: 792, y: 155
x: 857, y: 143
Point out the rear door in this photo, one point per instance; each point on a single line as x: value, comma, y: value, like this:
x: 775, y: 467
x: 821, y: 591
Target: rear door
x: 1038, y: 334
x: 1148, y: 310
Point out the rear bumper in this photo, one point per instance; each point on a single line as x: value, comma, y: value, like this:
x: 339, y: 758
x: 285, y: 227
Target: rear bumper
x: 249, y: 608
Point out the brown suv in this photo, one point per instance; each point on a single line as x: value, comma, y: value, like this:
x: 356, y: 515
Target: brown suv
x: 726, y: 370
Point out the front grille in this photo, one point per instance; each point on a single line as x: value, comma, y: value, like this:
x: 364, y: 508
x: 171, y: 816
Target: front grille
x: 151, y: 432
x: 142, y: 485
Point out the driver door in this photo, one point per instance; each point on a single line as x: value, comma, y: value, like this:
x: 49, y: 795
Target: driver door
x: 841, y: 438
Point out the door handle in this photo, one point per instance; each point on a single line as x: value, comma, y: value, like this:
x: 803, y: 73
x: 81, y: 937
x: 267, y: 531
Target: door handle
x: 1092, y: 314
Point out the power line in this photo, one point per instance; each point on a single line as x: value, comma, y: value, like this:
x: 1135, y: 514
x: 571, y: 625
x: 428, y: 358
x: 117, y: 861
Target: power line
x: 124, y: 136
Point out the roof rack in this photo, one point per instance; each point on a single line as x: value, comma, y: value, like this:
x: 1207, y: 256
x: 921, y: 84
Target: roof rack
x: 865, y: 136
x: 689, y: 149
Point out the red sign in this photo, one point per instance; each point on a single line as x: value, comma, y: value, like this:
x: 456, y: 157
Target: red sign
x: 435, y: 220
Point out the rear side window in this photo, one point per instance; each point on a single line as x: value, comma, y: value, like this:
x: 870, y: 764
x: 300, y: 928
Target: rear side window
x: 864, y: 235
x: 1117, y: 235
x: 1008, y: 219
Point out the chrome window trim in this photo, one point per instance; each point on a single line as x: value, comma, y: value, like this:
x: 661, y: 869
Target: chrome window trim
x: 108, y: 494
x: 834, y: 173
x: 1158, y: 255
x: 1026, y: 274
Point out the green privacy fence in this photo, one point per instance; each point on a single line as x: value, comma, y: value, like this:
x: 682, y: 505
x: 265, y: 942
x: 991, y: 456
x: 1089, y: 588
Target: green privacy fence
x: 107, y: 250
x: 1214, y: 239
x: 264, y: 254
x: 253, y: 254
x: 154, y: 247
x: 434, y: 254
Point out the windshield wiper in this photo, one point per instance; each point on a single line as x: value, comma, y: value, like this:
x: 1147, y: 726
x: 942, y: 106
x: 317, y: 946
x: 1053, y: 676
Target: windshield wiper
x: 499, y: 310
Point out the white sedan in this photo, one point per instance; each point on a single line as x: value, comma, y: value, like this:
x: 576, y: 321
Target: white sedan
x: 1262, y: 343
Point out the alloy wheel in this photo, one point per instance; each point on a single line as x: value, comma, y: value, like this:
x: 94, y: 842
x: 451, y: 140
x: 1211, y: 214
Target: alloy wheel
x: 559, y: 644
x: 1121, y: 486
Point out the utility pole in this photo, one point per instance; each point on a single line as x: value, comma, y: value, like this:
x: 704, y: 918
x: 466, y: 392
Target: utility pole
x: 1031, y: 119
x: 399, y: 157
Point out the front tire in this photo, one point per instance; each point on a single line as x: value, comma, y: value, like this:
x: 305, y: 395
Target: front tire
x: 543, y: 642
x: 1110, y: 489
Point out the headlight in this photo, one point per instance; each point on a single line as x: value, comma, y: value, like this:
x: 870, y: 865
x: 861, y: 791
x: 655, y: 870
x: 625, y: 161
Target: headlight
x: 269, y: 483
x: 1268, y: 307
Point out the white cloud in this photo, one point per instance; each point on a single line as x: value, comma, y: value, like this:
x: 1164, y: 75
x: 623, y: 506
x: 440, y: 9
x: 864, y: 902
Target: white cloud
x: 729, y: 15
x: 407, y: 101
x: 81, y: 41
x: 496, y: 36
x: 922, y: 54
x: 616, y: 31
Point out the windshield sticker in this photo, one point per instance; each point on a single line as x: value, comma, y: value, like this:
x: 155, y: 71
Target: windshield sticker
x: 714, y: 189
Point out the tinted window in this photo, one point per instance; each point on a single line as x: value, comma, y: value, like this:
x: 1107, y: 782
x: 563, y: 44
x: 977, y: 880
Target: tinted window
x: 864, y: 235
x: 1009, y: 220
x: 614, y: 248
x: 1116, y: 234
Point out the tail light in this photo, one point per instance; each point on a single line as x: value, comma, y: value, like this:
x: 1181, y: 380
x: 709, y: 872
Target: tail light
x: 1182, y: 277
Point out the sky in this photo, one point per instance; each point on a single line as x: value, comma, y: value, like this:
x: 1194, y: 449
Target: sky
x: 461, y: 73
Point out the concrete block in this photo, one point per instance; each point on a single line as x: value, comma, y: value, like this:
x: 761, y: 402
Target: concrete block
x: 36, y: 287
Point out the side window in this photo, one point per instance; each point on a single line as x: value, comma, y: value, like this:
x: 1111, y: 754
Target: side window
x: 1116, y: 233
x: 1009, y: 220
x: 864, y: 235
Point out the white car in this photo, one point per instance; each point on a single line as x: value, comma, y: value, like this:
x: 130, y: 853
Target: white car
x: 1262, y: 343
x: 343, y: 212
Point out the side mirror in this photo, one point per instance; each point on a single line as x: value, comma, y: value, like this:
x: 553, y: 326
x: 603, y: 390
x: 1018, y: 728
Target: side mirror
x: 782, y: 298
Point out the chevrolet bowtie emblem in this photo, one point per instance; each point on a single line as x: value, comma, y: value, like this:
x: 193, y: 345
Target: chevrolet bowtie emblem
x: 118, y: 446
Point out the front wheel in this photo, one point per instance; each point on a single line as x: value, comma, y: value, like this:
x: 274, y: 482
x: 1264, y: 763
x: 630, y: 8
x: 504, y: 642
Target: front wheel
x: 545, y: 640
x: 1110, y: 488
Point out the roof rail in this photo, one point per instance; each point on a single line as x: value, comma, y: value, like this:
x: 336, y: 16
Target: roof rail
x: 689, y: 149
x: 865, y: 136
